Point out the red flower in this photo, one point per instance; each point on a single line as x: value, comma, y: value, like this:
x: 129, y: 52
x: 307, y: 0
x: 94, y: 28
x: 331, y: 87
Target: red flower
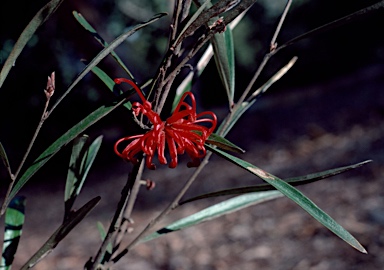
x: 181, y: 132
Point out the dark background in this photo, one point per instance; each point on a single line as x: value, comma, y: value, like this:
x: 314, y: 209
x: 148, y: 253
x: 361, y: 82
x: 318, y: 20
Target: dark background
x: 326, y: 112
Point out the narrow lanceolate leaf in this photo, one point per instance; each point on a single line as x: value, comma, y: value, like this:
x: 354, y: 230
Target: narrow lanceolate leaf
x: 41, y: 16
x: 215, y: 211
x: 75, y: 218
x: 83, y: 22
x: 81, y: 160
x: 226, y: 126
x: 14, y: 220
x: 295, y: 181
x: 224, y: 54
x: 104, y: 52
x: 76, y: 166
x: 277, y: 76
x: 63, y: 140
x: 103, y: 234
x: 108, y: 81
x: 186, y: 84
x: 223, y: 143
x: 93, y: 149
x: 296, y: 196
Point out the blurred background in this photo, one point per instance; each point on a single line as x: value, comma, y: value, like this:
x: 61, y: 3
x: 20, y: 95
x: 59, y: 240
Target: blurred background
x: 326, y: 112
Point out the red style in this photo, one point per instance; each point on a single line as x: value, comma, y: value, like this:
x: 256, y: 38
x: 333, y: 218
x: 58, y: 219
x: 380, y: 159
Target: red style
x: 182, y: 132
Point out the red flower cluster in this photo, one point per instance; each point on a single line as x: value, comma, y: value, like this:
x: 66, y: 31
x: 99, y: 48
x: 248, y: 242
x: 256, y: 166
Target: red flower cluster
x: 182, y: 132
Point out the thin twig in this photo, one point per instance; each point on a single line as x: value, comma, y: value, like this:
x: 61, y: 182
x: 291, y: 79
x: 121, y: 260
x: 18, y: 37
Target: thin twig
x: 125, y: 217
x: 50, y: 89
x: 133, y: 177
x: 282, y: 19
x: 266, y: 57
x: 176, y: 18
x: 167, y: 210
x: 168, y: 80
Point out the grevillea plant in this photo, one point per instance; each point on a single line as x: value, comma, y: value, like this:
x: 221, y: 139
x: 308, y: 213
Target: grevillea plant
x: 185, y: 130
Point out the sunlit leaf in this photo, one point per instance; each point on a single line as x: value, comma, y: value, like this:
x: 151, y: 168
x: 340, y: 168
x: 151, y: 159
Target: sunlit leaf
x: 296, y: 196
x: 215, y: 211
x: 41, y: 16
x: 295, y: 181
x: 14, y: 221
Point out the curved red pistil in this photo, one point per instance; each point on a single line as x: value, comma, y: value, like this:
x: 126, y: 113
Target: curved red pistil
x: 182, y: 132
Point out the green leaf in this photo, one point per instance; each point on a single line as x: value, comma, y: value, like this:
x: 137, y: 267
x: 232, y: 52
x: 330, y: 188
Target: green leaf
x: 295, y: 181
x: 64, y: 139
x: 103, y: 234
x: 81, y: 160
x: 83, y: 22
x: 223, y: 143
x: 277, y: 76
x: 225, y: 127
x: 76, y: 166
x: 110, y: 84
x: 296, y: 196
x: 88, y: 159
x: 75, y: 218
x: 14, y: 221
x: 215, y: 211
x: 87, y: 121
x: 104, y: 52
x: 186, y: 84
x: 225, y: 61
x: 41, y: 16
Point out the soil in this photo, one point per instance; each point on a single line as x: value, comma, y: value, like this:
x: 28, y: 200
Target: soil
x: 288, y: 134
